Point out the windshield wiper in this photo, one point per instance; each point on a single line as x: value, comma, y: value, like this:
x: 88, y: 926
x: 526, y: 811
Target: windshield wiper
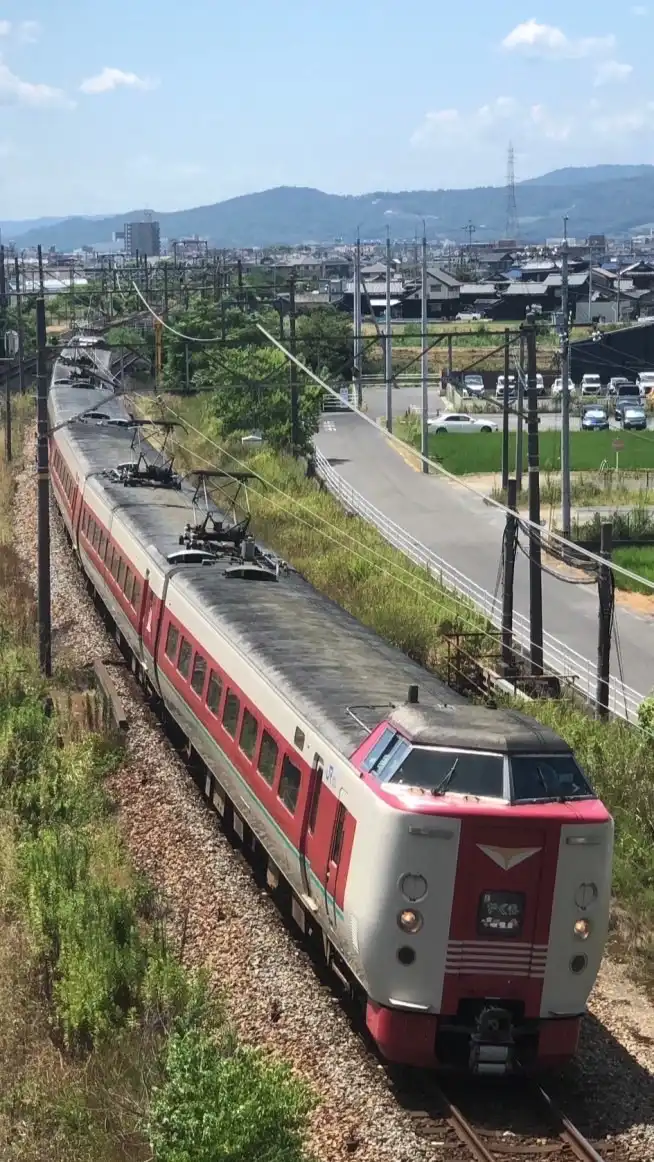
x: 444, y: 783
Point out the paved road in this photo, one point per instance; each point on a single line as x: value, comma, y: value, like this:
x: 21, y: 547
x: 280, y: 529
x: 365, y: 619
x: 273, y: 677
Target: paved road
x: 467, y: 534
x: 409, y: 397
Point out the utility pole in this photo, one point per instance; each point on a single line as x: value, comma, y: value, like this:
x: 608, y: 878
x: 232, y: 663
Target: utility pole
x: 606, y: 606
x: 3, y: 353
x: 19, y: 321
x: 565, y: 392
x: 521, y: 412
x: 43, y: 478
x: 165, y: 290
x: 535, y: 573
x: 388, y: 346
x: 295, y: 401
x: 505, y: 411
x: 424, y: 359
x: 358, y: 361
x: 508, y: 574
x: 187, y: 368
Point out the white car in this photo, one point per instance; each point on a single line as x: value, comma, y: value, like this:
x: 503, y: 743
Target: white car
x: 591, y: 385
x: 646, y: 382
x: 469, y: 317
x: 557, y: 387
x: 473, y: 385
x: 460, y: 423
x: 499, y: 390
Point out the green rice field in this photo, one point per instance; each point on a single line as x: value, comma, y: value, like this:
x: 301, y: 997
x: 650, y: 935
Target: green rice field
x: 638, y: 560
x: 482, y: 452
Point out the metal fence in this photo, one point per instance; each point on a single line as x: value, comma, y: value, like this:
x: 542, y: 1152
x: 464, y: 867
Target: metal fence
x: 558, y: 657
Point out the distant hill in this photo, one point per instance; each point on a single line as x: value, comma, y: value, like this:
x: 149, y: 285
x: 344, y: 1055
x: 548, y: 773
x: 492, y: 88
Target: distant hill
x: 600, y: 199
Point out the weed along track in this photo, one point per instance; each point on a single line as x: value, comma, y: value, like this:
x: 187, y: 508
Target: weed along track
x: 223, y: 919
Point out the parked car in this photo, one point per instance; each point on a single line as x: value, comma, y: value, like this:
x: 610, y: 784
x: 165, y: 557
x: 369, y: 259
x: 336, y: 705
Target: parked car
x: 619, y: 381
x: 473, y: 385
x: 469, y: 316
x: 499, y: 390
x: 632, y: 417
x: 557, y: 387
x: 646, y: 382
x: 540, y: 384
x: 595, y: 420
x: 452, y: 422
x: 591, y: 385
x: 627, y: 395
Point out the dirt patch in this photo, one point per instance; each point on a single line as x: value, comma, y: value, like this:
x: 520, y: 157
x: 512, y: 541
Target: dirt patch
x: 642, y: 603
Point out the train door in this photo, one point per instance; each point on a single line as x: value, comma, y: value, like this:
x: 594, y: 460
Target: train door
x: 334, y: 861
x: 308, y: 848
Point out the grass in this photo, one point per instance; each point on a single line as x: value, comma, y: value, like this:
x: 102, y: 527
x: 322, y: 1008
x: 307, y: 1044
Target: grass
x: 108, y: 1047
x: 386, y: 592
x: 638, y: 560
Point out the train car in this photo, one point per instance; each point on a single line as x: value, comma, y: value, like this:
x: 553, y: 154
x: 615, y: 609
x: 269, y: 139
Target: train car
x: 452, y: 861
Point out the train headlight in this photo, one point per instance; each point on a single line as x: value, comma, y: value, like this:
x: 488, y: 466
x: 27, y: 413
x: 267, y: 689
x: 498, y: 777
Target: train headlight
x: 413, y: 887
x: 410, y: 921
x: 582, y: 929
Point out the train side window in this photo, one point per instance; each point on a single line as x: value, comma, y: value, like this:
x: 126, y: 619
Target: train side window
x: 339, y: 834
x: 289, y: 785
x: 128, y: 587
x: 214, y: 691
x: 268, y: 754
x: 318, y: 767
x: 172, y: 642
x: 96, y: 537
x: 248, y: 737
x: 184, y: 662
x: 383, y: 743
x: 136, y: 595
x: 231, y: 713
x: 199, y: 674
x: 85, y: 520
x: 102, y: 546
x: 120, y: 575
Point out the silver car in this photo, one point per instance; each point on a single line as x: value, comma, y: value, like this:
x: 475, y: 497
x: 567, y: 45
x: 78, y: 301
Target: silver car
x: 460, y: 423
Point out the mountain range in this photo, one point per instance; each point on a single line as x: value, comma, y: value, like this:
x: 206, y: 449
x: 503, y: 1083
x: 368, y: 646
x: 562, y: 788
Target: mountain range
x: 603, y: 199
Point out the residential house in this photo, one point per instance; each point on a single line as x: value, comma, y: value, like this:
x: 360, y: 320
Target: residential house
x: 443, y: 296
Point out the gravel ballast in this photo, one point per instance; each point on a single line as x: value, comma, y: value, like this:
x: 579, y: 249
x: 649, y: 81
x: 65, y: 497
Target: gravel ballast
x: 272, y: 992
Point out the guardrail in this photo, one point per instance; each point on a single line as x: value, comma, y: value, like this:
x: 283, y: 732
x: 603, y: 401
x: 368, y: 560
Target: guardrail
x: 559, y: 658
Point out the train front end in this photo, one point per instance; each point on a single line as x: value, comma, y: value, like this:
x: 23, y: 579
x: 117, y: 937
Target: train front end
x: 495, y: 895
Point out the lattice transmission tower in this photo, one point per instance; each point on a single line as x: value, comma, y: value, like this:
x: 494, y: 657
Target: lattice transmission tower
x: 511, y: 202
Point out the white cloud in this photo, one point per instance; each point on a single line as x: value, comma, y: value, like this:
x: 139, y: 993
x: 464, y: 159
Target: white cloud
x: 553, y: 127
x: 545, y: 40
x: 5, y: 28
x: 609, y: 71
x: 29, y: 31
x: 443, y: 123
x: 110, y: 79
x: 14, y: 91
x: 625, y: 121
x: 435, y: 125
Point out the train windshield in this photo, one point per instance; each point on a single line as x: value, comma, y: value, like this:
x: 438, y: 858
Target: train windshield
x: 449, y: 771
x: 548, y: 779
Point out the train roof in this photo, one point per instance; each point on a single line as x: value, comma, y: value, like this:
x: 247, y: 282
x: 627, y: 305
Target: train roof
x: 500, y: 731
x: 339, y: 674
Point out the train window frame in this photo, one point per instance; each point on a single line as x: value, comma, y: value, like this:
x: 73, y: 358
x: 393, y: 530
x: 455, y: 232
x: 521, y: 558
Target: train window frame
x: 102, y: 545
x: 286, y: 780
x: 338, y: 835
x: 230, y: 724
x: 184, y: 658
x: 268, y: 742
x: 120, y: 573
x: 136, y: 594
x: 128, y: 586
x: 171, y: 647
x: 215, y: 682
x: 379, y: 749
x: 299, y: 738
x: 199, y: 666
x: 318, y: 768
x: 248, y: 721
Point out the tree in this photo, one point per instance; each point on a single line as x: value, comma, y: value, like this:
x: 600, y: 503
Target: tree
x: 325, y: 343
x: 252, y: 392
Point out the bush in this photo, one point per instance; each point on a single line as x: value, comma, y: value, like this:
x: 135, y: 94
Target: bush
x: 220, y: 1103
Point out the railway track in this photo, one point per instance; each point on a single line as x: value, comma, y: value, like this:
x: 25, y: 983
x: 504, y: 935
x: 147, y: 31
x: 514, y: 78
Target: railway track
x: 539, y: 1131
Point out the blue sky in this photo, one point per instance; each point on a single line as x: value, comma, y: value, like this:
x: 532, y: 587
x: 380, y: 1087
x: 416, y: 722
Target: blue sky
x: 169, y: 104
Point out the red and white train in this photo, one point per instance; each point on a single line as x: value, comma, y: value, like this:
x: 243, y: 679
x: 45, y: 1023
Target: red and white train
x: 453, y: 859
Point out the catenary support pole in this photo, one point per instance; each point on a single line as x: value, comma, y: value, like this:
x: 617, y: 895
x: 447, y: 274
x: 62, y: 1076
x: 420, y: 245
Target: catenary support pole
x: 388, y: 344
x: 187, y: 368
x: 606, y: 606
x: 43, y: 478
x: 4, y: 368
x: 508, y: 574
x: 565, y: 392
x: 295, y: 400
x: 424, y: 359
x: 356, y: 298
x: 519, y: 441
x: 505, y: 411
x: 21, y: 336
x: 535, y: 571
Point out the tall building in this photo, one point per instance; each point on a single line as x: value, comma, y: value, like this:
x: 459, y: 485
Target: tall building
x: 144, y: 237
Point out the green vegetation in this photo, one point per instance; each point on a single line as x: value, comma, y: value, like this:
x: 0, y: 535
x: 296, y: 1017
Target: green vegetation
x: 639, y: 559
x: 482, y: 452
x: 108, y: 1047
